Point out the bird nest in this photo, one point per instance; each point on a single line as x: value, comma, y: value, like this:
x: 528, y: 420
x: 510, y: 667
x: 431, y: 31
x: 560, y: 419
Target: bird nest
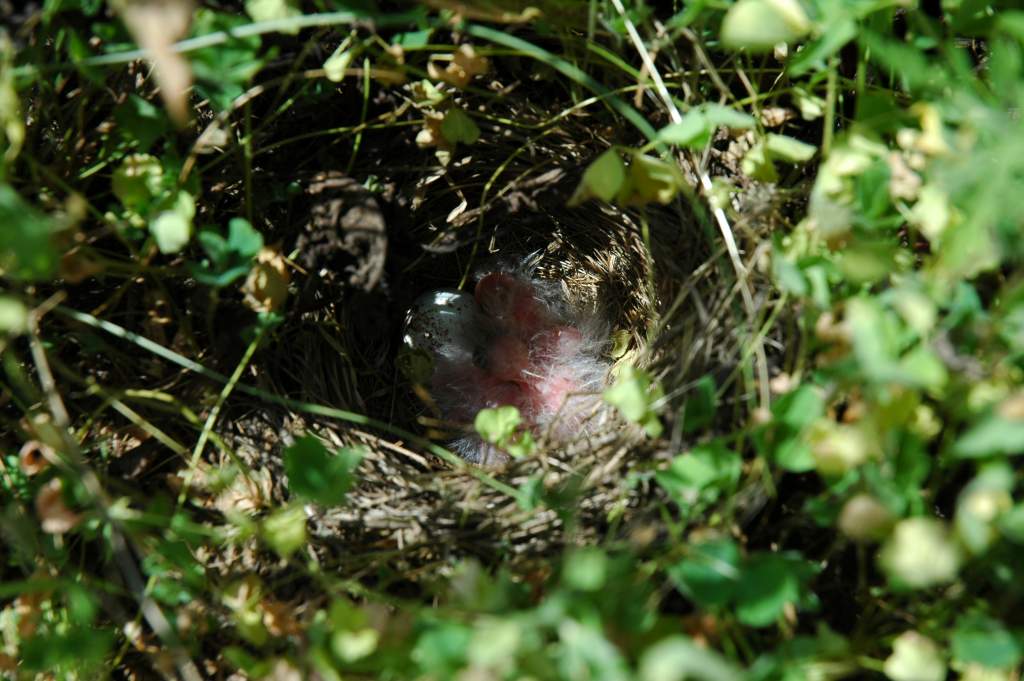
x: 369, y: 236
x: 668, y: 291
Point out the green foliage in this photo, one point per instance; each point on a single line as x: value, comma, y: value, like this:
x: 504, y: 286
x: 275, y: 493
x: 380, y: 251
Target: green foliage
x: 636, y: 396
x: 28, y: 251
x: 317, y: 475
x: 861, y: 515
x: 500, y: 426
x: 229, y: 258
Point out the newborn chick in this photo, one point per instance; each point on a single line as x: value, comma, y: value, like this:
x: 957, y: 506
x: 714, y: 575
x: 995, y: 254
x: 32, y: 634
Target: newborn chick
x: 516, y: 342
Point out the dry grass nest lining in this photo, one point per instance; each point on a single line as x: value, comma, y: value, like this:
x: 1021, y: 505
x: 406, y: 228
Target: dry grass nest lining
x: 677, y: 301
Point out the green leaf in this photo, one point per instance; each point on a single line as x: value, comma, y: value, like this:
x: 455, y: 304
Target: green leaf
x: 792, y: 415
x: 497, y: 424
x: 441, y: 650
x: 693, y: 131
x: 698, y: 124
x: 172, y: 229
x: 141, y: 121
x: 602, y: 179
x: 243, y: 239
x: 269, y: 10
x: 700, y: 407
x: 13, y: 316
x: 915, y: 658
x: 651, y: 180
x: 788, y: 149
x: 920, y: 553
x: 710, y: 468
x: 318, y: 476
x: 78, y: 648
x: 677, y: 659
x: 757, y: 164
x: 760, y: 25
x: 230, y: 258
x: 26, y: 251
x: 768, y: 583
x: 710, y: 574
x: 993, y: 435
x: 458, y: 127
x: 223, y: 71
x: 982, y: 640
x: 285, y: 530
x: 137, y: 181
x: 719, y: 114
x: 585, y: 569
x: 634, y: 395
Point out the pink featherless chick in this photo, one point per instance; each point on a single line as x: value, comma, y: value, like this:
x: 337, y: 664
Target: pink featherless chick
x: 515, y: 342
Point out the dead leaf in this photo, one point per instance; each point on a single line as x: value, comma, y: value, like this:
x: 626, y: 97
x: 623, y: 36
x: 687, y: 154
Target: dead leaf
x: 430, y: 135
x: 283, y: 670
x: 35, y: 457
x: 266, y: 287
x: 156, y: 25
x: 279, y: 618
x: 54, y: 515
x: 465, y: 65
x: 28, y: 610
x: 774, y: 116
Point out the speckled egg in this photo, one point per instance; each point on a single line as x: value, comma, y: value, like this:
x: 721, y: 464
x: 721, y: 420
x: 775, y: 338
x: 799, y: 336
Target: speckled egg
x: 443, y: 323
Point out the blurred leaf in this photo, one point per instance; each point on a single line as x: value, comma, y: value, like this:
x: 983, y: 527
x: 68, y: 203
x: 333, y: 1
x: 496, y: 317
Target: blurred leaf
x: 156, y: 26
x: 788, y: 149
x: 920, y: 554
x: 338, y: 62
x: 710, y: 574
x: 270, y: 10
x: 698, y: 124
x: 833, y: 37
x: 985, y: 641
x: 585, y: 569
x: 497, y: 424
x: 138, y: 181
x: 905, y: 62
x: 602, y: 179
x: 141, y: 122
x: 991, y: 436
x: 318, y: 476
x: 635, y: 395
x: 172, y: 229
x: 651, y: 180
x: 458, y: 127
x: 229, y: 258
x: 769, y: 582
x: 757, y: 164
x: 76, y: 648
x: 441, y: 650
x: 710, y: 468
x: 13, y: 316
x: 285, y: 530
x: 915, y: 658
x: 677, y: 658
x: 222, y: 71
x: 700, y: 407
x: 760, y: 25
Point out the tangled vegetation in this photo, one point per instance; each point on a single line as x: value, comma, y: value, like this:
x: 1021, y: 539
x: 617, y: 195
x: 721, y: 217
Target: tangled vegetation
x: 798, y: 216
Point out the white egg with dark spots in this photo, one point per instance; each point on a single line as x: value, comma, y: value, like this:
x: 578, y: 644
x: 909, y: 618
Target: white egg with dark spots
x: 444, y: 324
